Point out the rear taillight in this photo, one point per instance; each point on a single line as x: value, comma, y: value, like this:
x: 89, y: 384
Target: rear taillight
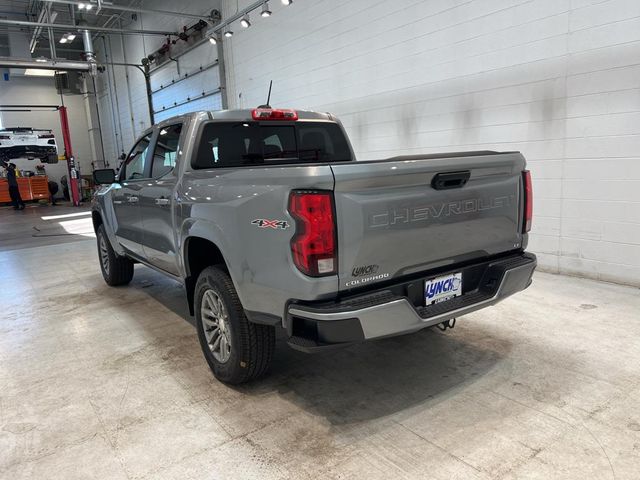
x: 528, y: 201
x: 48, y: 135
x: 314, y: 246
x: 274, y: 114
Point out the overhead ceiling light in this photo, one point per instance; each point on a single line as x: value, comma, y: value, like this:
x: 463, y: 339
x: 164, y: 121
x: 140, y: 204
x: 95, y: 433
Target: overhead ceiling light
x: 245, y: 21
x: 265, y: 10
x: 36, y: 72
x: 41, y: 59
x: 213, y: 40
x: 81, y: 6
x: 68, y: 37
x: 88, y: 6
x: 228, y: 34
x: 287, y: 2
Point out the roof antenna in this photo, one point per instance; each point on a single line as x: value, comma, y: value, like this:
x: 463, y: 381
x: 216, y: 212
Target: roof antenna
x: 268, y: 97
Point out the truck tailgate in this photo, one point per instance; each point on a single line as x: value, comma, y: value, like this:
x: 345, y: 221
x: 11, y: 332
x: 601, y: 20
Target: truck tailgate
x: 392, y: 222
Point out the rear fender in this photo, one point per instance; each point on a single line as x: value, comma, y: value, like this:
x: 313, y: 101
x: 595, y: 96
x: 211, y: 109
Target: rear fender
x: 211, y: 232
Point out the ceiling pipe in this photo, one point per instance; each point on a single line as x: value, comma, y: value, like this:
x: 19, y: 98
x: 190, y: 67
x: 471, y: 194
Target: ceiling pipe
x: 122, y: 8
x: 88, y: 45
x: 9, y: 62
x: 52, y: 40
x: 59, y: 26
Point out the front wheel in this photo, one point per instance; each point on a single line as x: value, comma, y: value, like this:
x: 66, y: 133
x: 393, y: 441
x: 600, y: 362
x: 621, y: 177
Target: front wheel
x: 116, y: 270
x: 235, y: 349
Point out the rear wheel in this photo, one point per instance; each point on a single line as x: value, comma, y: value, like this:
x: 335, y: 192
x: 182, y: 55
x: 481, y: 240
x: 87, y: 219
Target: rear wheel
x: 116, y: 270
x: 235, y: 349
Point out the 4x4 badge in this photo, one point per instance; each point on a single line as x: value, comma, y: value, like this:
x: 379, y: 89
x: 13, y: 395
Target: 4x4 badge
x: 264, y: 223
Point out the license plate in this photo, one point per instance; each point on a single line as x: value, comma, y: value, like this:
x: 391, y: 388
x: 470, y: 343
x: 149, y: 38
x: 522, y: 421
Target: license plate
x: 443, y: 288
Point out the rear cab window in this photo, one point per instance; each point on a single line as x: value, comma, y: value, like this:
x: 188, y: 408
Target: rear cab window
x: 236, y: 144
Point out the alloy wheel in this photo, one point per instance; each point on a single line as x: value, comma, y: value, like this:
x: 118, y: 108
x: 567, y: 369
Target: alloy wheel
x: 215, y: 322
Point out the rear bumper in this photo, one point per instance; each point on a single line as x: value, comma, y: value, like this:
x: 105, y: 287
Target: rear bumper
x: 389, y: 312
x: 18, y: 151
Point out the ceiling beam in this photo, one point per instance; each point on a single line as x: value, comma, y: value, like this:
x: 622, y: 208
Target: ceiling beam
x: 9, y: 62
x: 122, y: 8
x: 60, y: 26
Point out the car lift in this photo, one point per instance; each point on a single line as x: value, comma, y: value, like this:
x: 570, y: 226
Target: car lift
x: 73, y: 171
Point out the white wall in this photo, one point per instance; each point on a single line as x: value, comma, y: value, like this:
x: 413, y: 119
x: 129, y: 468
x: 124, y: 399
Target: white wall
x: 42, y: 91
x: 558, y: 80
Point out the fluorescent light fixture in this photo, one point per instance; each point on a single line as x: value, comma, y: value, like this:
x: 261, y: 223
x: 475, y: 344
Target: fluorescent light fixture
x: 36, y: 72
x: 41, y: 59
x: 81, y: 6
x: 228, y: 34
x: 68, y: 38
x: 265, y: 10
x: 287, y: 2
x: 245, y: 21
x: 212, y: 40
x: 88, y: 6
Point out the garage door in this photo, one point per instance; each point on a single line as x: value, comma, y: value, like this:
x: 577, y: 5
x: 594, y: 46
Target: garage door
x: 188, y: 84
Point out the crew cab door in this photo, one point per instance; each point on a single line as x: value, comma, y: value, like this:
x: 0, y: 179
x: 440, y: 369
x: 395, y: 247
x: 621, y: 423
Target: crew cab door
x: 126, y: 196
x: 157, y: 200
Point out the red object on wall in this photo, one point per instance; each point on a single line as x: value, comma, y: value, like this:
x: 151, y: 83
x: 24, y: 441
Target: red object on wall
x: 74, y: 189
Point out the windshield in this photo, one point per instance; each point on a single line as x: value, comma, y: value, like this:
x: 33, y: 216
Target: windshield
x: 233, y: 144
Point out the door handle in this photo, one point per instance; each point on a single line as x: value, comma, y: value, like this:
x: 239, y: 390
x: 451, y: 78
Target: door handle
x: 132, y: 199
x: 162, y: 201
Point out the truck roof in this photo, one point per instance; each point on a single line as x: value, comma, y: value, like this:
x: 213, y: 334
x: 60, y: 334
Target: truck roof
x: 244, y: 115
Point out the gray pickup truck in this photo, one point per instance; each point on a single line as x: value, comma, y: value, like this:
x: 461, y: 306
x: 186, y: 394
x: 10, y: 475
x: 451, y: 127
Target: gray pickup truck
x: 269, y: 221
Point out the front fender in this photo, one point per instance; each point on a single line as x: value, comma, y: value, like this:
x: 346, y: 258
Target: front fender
x: 103, y: 206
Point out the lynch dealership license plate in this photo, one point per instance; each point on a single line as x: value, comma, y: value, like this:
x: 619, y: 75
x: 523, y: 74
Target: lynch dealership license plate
x: 442, y: 288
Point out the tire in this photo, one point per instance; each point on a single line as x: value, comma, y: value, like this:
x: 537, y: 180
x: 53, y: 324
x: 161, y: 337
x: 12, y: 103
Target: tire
x: 116, y: 270
x: 243, y: 350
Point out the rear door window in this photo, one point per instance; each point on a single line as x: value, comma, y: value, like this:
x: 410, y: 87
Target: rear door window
x: 165, y: 151
x: 135, y: 164
x: 250, y: 143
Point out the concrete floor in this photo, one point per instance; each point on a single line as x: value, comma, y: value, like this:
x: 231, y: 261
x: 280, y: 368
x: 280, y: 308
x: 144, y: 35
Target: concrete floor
x: 100, y: 382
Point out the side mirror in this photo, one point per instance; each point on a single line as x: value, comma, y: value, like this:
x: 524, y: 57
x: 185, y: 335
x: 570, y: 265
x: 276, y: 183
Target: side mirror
x: 105, y: 176
x: 50, y: 158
